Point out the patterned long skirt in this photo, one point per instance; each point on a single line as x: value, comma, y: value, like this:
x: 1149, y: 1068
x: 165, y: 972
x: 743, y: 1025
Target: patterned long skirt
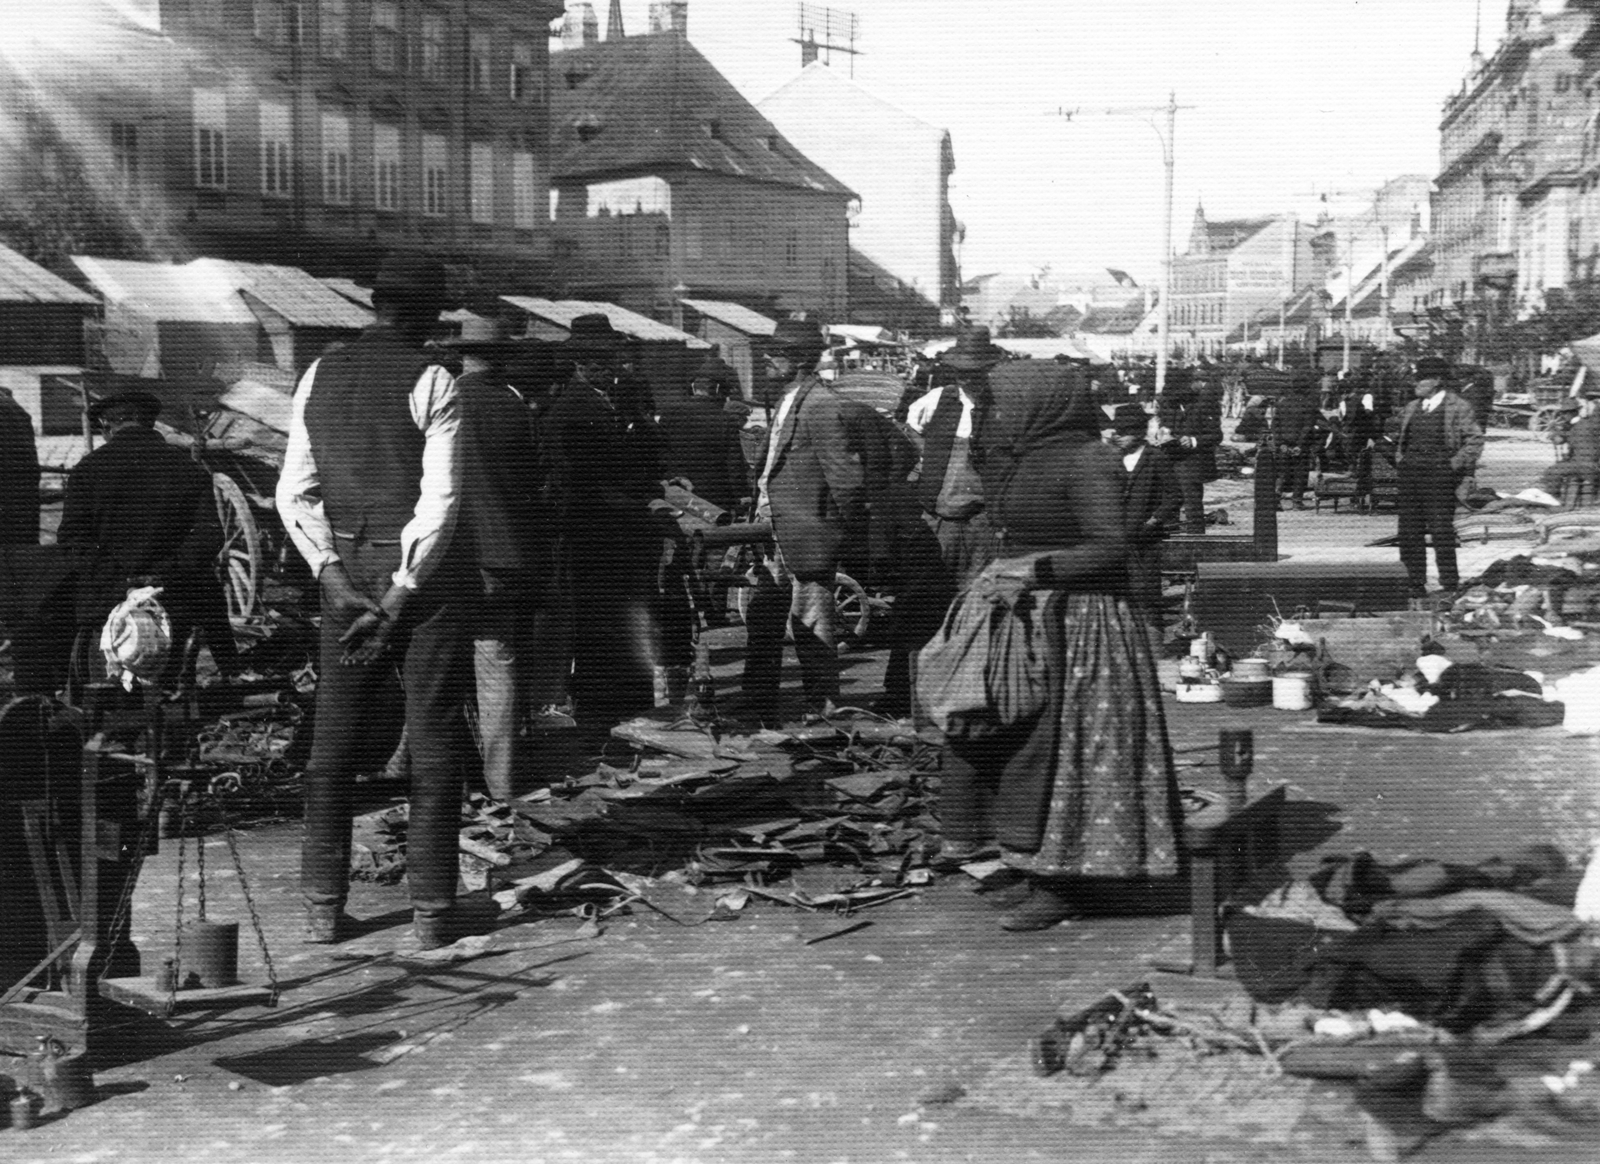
x: 1114, y: 809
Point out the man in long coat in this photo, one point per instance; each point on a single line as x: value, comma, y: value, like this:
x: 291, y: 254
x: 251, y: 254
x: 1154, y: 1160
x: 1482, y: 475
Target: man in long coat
x: 1440, y: 443
x: 813, y: 492
x: 1195, y: 428
x: 19, y: 475
x: 1151, y: 500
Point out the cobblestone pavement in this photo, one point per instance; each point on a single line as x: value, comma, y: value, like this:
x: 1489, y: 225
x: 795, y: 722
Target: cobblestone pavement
x: 740, y: 1042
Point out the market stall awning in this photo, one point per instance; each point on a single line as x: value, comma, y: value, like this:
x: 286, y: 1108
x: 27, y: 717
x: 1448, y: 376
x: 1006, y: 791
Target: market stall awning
x: 24, y: 281
x: 561, y: 312
x: 298, y: 297
x: 1047, y: 348
x: 863, y: 334
x: 1588, y: 353
x: 733, y: 315
x: 349, y: 288
x: 166, y: 292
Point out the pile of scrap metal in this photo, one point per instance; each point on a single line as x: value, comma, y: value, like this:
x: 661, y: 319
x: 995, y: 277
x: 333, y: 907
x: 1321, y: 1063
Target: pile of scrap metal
x: 834, y: 816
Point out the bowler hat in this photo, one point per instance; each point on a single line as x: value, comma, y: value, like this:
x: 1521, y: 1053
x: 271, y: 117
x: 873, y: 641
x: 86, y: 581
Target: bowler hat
x: 482, y: 336
x: 416, y: 278
x: 1130, y: 420
x: 974, y: 351
x: 592, y: 335
x: 801, y: 336
x: 148, y: 402
x: 1431, y: 368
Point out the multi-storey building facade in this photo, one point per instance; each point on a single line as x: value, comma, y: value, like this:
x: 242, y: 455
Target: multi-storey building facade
x: 667, y: 183
x: 320, y: 133
x: 1507, y: 209
x: 1232, y: 270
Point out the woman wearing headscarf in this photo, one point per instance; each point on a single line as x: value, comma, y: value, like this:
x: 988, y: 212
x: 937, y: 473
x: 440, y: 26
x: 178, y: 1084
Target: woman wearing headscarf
x: 1084, y: 790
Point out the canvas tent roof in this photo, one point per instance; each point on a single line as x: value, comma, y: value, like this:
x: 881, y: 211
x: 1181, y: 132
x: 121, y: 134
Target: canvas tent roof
x: 561, y: 313
x: 24, y: 281
x: 734, y: 315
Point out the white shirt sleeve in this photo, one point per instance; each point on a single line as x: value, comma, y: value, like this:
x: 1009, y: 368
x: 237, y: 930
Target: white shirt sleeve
x: 436, y: 411
x: 921, y: 410
x: 299, y: 492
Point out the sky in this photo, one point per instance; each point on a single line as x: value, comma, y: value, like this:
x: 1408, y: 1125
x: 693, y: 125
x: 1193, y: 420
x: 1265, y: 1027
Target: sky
x: 1291, y: 99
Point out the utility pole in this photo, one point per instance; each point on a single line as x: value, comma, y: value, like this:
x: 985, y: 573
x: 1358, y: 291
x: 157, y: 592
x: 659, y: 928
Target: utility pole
x: 1168, y: 137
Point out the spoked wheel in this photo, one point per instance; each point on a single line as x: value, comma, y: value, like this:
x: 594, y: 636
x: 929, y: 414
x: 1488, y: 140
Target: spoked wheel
x: 239, y: 562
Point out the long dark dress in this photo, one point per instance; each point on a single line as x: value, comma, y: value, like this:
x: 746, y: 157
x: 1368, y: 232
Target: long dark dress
x: 1087, y: 789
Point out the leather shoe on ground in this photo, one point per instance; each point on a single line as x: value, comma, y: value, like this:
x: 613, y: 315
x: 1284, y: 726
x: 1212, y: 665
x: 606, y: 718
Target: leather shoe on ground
x: 1008, y: 896
x: 1043, y: 908
x: 328, y: 924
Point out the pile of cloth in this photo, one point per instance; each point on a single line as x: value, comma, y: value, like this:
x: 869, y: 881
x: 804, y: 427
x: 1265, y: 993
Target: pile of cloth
x: 1440, y: 695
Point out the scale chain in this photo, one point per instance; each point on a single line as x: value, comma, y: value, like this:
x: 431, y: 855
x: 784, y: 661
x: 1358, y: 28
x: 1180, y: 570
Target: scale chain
x: 250, y: 904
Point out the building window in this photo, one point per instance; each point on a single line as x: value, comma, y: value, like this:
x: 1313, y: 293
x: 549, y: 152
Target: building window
x: 433, y: 46
x: 791, y: 250
x: 386, y: 166
x: 521, y: 70
x: 125, y: 151
x: 271, y: 21
x: 524, y: 208
x: 211, y: 138
x: 648, y: 195
x: 333, y: 29
x: 435, y: 174
x: 385, y: 36
x: 276, y: 135
x: 481, y: 178
x: 336, y: 159
x: 479, y: 49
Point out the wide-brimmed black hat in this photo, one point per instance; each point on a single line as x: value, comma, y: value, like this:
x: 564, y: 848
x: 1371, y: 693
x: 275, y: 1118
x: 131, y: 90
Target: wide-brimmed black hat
x: 414, y: 278
x: 1431, y: 368
x: 488, y: 337
x: 590, y: 336
x: 1130, y: 420
x: 803, y: 337
x: 974, y: 351
x: 134, y: 397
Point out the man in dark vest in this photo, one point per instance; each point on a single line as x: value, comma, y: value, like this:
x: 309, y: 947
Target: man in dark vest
x: 19, y: 475
x: 143, y: 512
x: 949, y: 487
x: 505, y: 529
x: 1151, y: 501
x: 370, y: 493
x: 1298, y: 419
x: 1439, y: 445
x: 1193, y: 432
x: 813, y: 492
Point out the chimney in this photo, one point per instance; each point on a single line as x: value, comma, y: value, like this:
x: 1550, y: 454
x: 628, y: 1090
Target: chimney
x: 808, y: 49
x: 580, y: 28
x: 614, y: 22
x: 669, y: 16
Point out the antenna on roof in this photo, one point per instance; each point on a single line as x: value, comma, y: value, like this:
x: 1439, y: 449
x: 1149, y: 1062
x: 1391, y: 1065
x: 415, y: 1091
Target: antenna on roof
x: 825, y: 31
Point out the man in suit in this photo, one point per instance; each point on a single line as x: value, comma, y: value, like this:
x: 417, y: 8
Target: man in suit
x: 1579, y: 440
x: 19, y: 475
x: 1193, y: 430
x: 604, y: 455
x: 505, y: 527
x: 813, y: 492
x: 950, y: 420
x: 1298, y: 418
x: 1440, y: 443
x: 142, y: 509
x: 1151, y: 500
x: 370, y: 493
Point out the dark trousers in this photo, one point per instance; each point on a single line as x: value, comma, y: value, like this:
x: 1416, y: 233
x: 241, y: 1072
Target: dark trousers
x: 802, y: 605
x: 1191, y: 475
x: 928, y: 586
x: 431, y: 650
x: 1144, y: 579
x: 1294, y: 473
x: 1427, y: 507
x: 615, y: 637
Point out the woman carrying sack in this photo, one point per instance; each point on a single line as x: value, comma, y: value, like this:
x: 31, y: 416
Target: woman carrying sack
x: 1084, y: 788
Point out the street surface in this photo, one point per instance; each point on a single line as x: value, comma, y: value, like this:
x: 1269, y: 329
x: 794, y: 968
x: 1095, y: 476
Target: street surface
x: 736, y: 1041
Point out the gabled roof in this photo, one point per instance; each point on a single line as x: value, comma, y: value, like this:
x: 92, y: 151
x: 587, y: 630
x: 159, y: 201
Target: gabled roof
x: 561, y: 313
x: 648, y: 104
x: 25, y: 281
x: 819, y: 77
x: 734, y: 315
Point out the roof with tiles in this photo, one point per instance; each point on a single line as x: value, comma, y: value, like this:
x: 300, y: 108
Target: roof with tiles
x: 647, y: 104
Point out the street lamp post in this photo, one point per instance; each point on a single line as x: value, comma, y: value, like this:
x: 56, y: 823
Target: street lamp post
x: 1168, y: 137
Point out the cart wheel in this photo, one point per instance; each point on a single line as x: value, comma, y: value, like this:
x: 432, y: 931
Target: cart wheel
x: 239, y: 562
x: 1544, y: 419
x: 852, y: 615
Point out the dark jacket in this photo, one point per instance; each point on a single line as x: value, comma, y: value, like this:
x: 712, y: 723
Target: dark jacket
x: 144, y: 507
x: 1297, y: 419
x: 501, y: 518
x: 1190, y: 413
x: 702, y: 443
x: 1463, y: 439
x: 19, y: 475
x: 817, y: 488
x: 1583, y: 438
x: 1150, y: 498
x: 602, y: 474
